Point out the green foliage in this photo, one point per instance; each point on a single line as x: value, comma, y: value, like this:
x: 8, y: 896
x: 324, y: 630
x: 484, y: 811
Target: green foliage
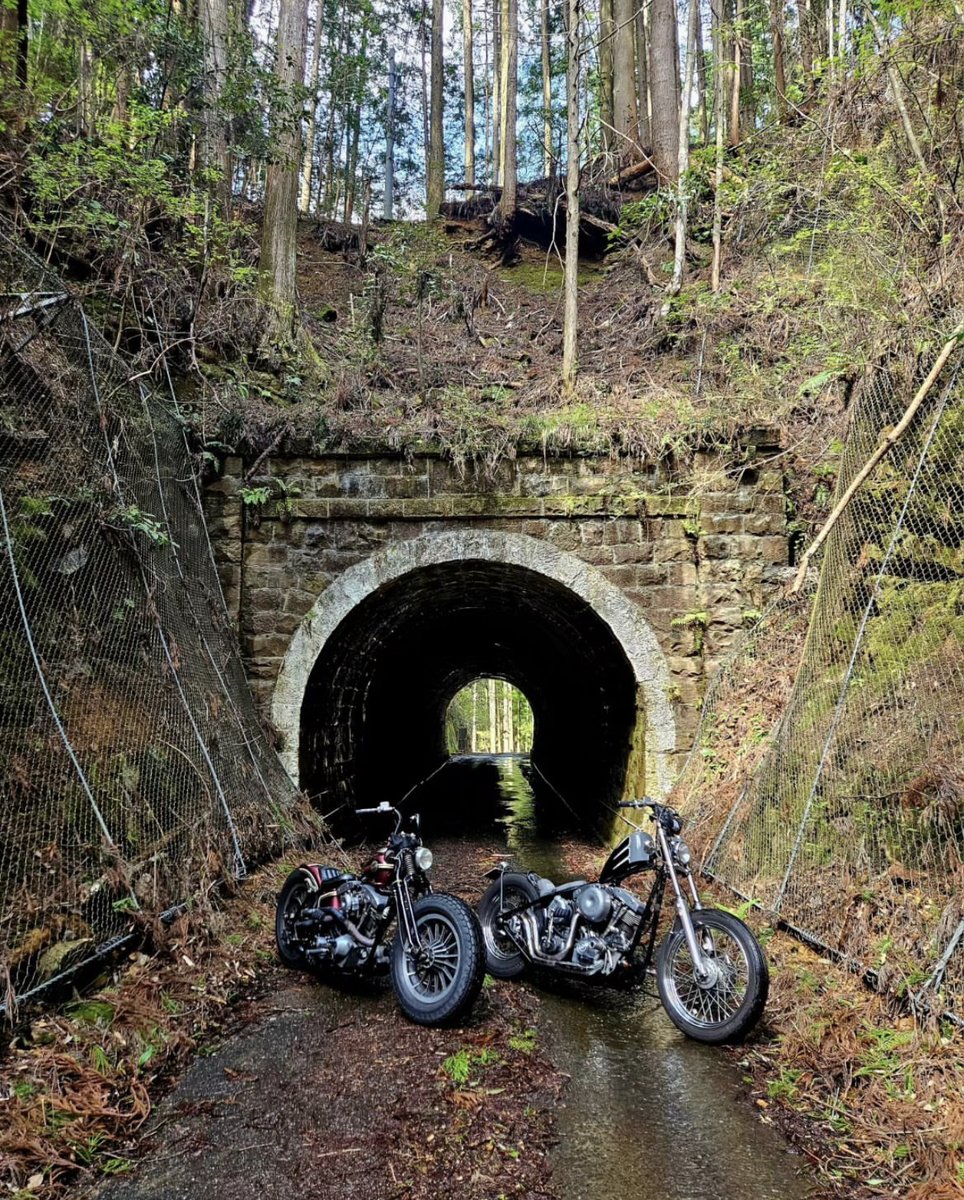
x: 254, y: 497
x: 92, y: 1012
x: 697, y: 622
x: 460, y: 1066
x: 785, y: 1086
x: 135, y: 519
x: 525, y: 1041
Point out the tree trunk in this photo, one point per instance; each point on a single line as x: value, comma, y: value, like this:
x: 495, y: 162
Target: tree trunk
x: 85, y: 90
x: 736, y: 80
x: 508, y: 89
x: 663, y: 87
x: 570, y: 319
x: 215, y: 34
x: 607, y: 50
x: 506, y: 719
x: 492, y: 715
x: 353, y: 121
x: 682, y: 194
x: 805, y: 28
x: 122, y: 95
x: 307, y: 168
x: 548, y: 149
x: 424, y: 41
x: 644, y: 135
x: 279, y: 234
x: 719, y: 120
x: 624, y: 80
x: 388, y: 210
x: 842, y: 34
x: 14, y: 47
x: 777, y: 36
x: 747, y: 101
x: 469, y: 79
x: 435, y: 181
x: 496, y: 93
x: 701, y: 90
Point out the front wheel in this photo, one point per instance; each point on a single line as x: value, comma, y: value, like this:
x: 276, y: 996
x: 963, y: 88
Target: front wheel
x: 726, y: 1005
x: 439, y: 982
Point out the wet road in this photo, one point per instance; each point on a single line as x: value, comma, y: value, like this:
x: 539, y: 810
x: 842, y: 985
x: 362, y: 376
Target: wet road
x: 649, y: 1113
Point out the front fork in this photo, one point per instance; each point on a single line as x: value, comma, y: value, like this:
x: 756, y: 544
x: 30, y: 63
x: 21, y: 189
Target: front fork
x: 406, y: 915
x: 682, y: 908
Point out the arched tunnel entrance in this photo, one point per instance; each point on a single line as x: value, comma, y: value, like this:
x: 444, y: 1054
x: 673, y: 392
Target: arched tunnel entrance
x: 362, y: 697
x: 373, y: 717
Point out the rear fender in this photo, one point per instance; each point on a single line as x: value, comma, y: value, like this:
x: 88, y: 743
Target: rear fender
x: 497, y: 872
x: 318, y: 876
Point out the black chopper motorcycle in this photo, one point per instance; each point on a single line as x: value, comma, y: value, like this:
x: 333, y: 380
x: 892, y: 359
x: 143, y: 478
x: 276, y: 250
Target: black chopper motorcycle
x: 337, y: 923
x: 711, y: 974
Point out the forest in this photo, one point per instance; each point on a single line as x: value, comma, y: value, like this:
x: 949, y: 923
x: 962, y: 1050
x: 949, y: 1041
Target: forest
x: 716, y: 246
x: 166, y: 156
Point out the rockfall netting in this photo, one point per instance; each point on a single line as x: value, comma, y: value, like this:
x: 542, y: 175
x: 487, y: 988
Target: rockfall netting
x: 133, y: 772
x: 827, y: 779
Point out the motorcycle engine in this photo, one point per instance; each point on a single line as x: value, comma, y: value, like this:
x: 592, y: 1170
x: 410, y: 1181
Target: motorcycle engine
x: 608, y: 920
x: 362, y: 906
x: 555, y: 925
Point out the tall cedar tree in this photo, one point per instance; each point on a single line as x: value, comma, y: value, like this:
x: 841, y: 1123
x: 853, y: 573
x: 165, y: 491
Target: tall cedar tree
x: 664, y: 88
x: 279, y: 236
x: 435, y: 166
x: 509, y: 90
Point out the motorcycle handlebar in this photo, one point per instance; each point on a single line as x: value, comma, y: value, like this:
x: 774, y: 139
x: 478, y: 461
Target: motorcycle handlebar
x: 645, y: 803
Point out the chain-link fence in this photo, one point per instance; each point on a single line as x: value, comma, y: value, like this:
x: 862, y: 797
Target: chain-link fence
x: 132, y: 768
x: 827, y: 781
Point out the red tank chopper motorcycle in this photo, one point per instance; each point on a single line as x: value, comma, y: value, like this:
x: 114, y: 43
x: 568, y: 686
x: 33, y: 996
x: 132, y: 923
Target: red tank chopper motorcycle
x: 335, y: 923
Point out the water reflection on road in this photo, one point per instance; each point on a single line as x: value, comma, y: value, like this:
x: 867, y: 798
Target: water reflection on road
x: 649, y: 1114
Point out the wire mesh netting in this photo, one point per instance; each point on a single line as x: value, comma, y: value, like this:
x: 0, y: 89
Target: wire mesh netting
x: 827, y: 780
x: 132, y: 768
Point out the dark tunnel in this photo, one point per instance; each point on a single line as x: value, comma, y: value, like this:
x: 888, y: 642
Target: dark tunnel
x: 373, y: 714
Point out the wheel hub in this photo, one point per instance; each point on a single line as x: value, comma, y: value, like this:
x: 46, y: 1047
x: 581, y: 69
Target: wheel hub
x: 712, y: 975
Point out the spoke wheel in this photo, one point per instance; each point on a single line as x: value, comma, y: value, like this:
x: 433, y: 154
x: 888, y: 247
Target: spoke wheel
x: 725, y: 1003
x: 437, y: 981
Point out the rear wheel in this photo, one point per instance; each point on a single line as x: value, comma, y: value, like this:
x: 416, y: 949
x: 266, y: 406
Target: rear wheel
x: 293, y: 898
x: 503, y: 958
x: 726, y: 1004
x: 436, y: 983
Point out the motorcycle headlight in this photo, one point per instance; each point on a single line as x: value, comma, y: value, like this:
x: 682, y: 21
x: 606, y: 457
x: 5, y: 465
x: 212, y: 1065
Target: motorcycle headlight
x: 683, y: 855
x: 423, y: 858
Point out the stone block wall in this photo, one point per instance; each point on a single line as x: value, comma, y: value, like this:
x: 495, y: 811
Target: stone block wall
x: 698, y: 556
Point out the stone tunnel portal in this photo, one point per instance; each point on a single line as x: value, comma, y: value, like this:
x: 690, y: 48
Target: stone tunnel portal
x: 372, y: 719
x: 361, y: 696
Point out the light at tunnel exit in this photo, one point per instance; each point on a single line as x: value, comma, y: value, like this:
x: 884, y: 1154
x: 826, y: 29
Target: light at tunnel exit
x: 489, y: 716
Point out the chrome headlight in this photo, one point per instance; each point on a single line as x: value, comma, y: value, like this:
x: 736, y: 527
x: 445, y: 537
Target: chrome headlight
x: 683, y: 855
x: 423, y: 858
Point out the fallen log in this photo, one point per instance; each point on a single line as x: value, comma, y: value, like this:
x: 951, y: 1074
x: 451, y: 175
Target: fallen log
x: 633, y: 171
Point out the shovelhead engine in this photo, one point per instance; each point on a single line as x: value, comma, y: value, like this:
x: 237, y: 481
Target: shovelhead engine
x: 591, y: 925
x: 350, y: 911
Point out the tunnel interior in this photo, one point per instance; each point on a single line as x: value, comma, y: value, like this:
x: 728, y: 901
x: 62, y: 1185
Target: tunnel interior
x: 373, y: 713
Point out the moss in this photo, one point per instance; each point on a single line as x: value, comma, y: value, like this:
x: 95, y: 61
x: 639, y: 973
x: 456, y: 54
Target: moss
x: 547, y: 275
